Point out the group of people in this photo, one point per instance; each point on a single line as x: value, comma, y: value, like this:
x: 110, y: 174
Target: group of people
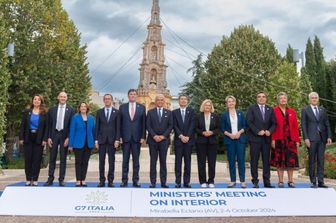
x: 272, y: 133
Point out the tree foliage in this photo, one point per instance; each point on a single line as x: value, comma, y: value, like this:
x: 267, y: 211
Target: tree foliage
x: 48, y: 56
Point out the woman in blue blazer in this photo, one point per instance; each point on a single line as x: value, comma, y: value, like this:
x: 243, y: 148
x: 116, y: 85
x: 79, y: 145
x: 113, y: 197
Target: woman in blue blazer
x: 233, y: 125
x: 81, y: 140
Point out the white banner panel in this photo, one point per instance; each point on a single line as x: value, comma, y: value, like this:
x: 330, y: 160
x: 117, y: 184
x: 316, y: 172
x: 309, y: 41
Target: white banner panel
x: 234, y: 202
x: 56, y: 201
x: 144, y: 202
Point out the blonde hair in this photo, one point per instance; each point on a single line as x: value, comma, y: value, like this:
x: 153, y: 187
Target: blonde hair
x: 230, y: 97
x: 203, y: 104
x: 281, y: 94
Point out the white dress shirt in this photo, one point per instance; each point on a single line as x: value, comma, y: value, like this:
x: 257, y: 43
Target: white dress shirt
x: 234, y: 123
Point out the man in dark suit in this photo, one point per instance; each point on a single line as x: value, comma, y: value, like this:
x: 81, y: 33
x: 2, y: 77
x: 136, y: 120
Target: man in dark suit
x: 107, y: 139
x: 261, y: 124
x: 184, y: 128
x: 159, y: 124
x: 317, y: 134
x: 58, y: 119
x: 133, y: 134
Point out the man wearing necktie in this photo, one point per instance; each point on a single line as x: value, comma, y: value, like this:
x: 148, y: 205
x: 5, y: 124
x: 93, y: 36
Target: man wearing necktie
x: 159, y: 123
x: 133, y: 134
x: 184, y: 128
x: 317, y: 134
x: 107, y: 138
x: 261, y: 124
x: 58, y: 128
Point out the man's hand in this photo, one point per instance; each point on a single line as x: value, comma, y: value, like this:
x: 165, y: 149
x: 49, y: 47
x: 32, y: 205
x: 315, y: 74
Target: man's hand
x: 66, y: 142
x: 116, y: 144
x: 307, y: 143
x: 142, y: 141
x: 70, y: 149
x: 157, y: 138
x: 329, y: 141
x: 261, y: 133
x: 21, y: 142
x: 97, y: 145
x: 267, y: 133
x: 44, y: 143
x: 50, y: 142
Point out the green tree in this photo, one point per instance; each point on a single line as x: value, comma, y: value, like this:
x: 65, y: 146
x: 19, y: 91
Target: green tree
x: 310, y: 66
x: 330, y: 104
x: 320, y: 68
x: 286, y: 79
x: 48, y: 57
x: 239, y: 65
x: 4, y: 78
x: 290, y: 54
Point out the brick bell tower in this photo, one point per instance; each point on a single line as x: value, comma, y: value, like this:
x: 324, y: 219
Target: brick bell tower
x: 153, y: 69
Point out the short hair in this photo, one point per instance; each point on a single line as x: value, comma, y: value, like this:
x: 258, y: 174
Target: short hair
x: 261, y: 92
x: 281, y: 94
x: 311, y: 94
x: 183, y: 95
x: 87, y: 107
x: 107, y: 95
x: 230, y: 97
x: 203, y: 104
x: 132, y: 90
x: 159, y: 95
x: 61, y: 93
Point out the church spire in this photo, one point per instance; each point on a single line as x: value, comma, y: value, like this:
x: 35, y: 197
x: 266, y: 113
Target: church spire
x: 155, y: 19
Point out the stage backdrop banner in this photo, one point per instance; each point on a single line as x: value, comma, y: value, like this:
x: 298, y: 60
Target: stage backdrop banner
x: 144, y: 202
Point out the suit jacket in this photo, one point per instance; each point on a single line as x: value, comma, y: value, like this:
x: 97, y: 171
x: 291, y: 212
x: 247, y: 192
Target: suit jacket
x: 313, y: 127
x: 41, y: 134
x: 79, y: 132
x: 154, y: 127
x: 226, y: 126
x: 186, y: 128
x: 107, y: 132
x: 292, y: 121
x: 200, y: 127
x: 256, y: 123
x: 133, y: 129
x: 52, y: 121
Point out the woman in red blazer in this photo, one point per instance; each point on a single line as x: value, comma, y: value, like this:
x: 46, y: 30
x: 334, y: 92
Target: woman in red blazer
x: 285, y: 141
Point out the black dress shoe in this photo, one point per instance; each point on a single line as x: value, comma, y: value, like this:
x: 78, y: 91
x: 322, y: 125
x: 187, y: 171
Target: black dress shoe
x: 178, y: 186
x: 255, y: 185
x: 110, y: 184
x: 124, y: 184
x: 61, y: 183
x: 84, y: 185
x: 164, y: 186
x: 48, y: 183
x: 322, y: 185
x: 137, y: 185
x: 101, y: 184
x: 152, y: 186
x: 313, y: 185
x: 186, y: 185
x: 268, y: 186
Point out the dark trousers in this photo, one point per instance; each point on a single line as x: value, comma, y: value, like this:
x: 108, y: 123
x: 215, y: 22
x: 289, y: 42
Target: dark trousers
x: 206, y: 151
x: 236, y: 152
x: 316, y: 155
x: 158, y: 150
x: 82, y: 157
x: 264, y: 149
x: 110, y: 150
x: 33, y: 157
x: 58, y: 143
x: 128, y: 149
x: 182, y: 152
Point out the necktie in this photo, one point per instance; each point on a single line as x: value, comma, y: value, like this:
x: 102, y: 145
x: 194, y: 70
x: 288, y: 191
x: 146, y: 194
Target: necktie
x: 159, y: 114
x: 317, y: 114
x: 183, y: 115
x: 132, y: 111
x: 263, y: 112
x: 107, y: 114
x: 60, y: 117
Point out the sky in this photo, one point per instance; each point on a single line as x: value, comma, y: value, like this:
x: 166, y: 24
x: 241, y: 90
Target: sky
x: 114, y: 31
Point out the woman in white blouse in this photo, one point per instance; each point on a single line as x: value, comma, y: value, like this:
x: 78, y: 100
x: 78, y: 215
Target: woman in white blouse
x: 207, y: 129
x: 233, y: 125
